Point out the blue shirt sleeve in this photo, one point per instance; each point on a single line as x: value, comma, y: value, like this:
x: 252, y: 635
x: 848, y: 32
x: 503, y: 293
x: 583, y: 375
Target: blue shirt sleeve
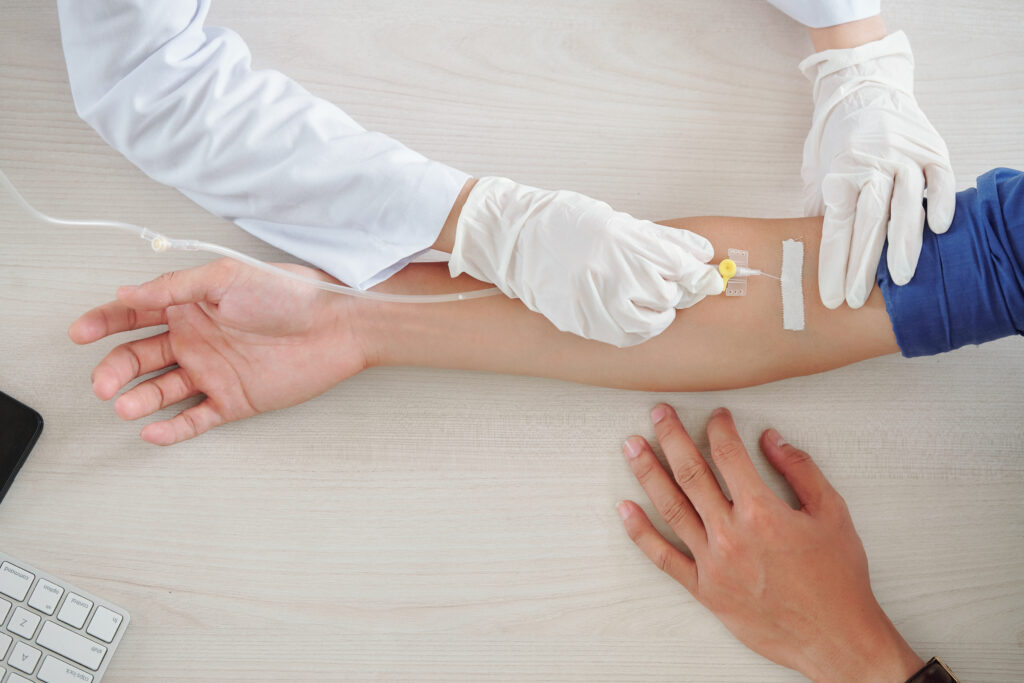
x: 969, y: 284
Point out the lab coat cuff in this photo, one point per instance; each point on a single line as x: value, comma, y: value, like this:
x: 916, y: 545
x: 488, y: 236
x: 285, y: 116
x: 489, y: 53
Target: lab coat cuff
x: 436, y: 197
x: 819, y: 14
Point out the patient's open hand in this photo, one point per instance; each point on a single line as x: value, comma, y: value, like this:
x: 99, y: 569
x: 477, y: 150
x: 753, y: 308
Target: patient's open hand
x: 248, y: 340
x: 791, y: 584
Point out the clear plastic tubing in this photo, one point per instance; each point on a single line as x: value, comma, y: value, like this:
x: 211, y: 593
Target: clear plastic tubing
x: 162, y: 243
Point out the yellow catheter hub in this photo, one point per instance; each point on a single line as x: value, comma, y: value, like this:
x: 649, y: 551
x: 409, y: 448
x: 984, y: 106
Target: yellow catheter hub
x: 727, y: 268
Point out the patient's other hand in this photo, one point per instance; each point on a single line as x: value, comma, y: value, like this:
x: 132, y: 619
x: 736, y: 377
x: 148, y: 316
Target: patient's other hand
x: 792, y: 585
x: 249, y: 341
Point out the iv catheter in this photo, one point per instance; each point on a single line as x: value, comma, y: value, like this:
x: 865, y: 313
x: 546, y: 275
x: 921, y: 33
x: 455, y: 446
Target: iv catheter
x: 727, y: 268
x: 161, y: 243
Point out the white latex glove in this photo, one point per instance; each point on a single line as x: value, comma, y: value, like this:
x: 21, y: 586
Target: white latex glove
x: 867, y: 159
x: 589, y: 269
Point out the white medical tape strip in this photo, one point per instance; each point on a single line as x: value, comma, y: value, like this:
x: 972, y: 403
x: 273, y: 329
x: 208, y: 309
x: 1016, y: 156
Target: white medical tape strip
x: 792, y: 285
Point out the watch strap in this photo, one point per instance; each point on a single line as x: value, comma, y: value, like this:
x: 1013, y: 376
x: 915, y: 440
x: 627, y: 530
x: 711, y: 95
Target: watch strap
x: 934, y: 672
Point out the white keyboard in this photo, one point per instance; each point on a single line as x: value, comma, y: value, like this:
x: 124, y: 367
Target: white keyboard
x: 51, y: 631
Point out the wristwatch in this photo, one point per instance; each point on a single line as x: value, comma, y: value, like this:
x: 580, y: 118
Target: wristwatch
x: 934, y: 672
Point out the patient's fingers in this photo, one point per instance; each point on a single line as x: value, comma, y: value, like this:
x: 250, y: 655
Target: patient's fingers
x: 672, y: 504
x: 131, y: 360
x: 155, y: 394
x: 203, y: 283
x: 731, y: 457
x: 689, y: 468
x: 111, y: 318
x: 185, y: 425
x: 663, y: 554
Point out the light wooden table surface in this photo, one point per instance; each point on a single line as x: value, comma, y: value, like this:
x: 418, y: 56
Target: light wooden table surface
x: 430, y: 525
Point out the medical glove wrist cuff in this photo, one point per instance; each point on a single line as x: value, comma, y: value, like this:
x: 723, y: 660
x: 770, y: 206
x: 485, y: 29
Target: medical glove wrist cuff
x: 870, y: 62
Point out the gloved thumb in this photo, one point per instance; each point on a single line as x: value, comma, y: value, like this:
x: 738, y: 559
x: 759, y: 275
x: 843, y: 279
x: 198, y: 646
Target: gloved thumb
x: 701, y: 280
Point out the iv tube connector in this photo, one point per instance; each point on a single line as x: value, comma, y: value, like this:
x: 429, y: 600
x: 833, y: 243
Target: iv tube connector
x: 155, y: 239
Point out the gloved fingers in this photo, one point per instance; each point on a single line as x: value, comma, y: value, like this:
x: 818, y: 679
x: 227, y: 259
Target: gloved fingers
x: 647, y: 288
x: 941, y: 196
x: 688, y: 299
x: 691, y: 242
x: 703, y: 280
x: 668, y: 250
x: 906, y: 223
x: 656, y: 323
x: 639, y: 314
x: 868, y: 238
x: 840, y: 195
x: 677, y: 272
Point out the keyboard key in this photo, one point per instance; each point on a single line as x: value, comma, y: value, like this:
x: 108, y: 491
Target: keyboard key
x: 24, y: 658
x: 43, y: 622
x: 15, y: 581
x: 55, y: 671
x: 46, y: 596
x: 71, y: 645
x: 23, y: 623
x: 104, y: 624
x: 75, y: 610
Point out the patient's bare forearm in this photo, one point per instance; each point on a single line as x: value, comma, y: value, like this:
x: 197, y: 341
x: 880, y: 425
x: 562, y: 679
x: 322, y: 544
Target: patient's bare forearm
x: 722, y: 342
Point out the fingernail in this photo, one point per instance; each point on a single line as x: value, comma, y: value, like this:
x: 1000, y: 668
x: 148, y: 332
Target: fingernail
x: 658, y: 414
x: 719, y: 411
x: 632, y: 447
x: 776, y: 438
x: 623, y: 509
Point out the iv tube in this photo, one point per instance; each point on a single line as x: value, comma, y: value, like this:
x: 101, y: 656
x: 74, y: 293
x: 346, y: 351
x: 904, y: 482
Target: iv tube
x: 162, y: 243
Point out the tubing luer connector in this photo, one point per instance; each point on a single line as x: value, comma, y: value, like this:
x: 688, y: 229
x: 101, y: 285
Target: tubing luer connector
x: 155, y: 239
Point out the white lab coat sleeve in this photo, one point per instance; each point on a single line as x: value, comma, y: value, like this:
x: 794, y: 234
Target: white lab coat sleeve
x: 182, y: 102
x: 822, y: 13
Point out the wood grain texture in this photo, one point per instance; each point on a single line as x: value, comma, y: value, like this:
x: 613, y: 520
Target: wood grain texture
x: 442, y: 526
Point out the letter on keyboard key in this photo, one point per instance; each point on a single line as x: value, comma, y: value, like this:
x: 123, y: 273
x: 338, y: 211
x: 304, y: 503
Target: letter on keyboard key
x: 71, y: 645
x: 15, y: 581
x: 55, y: 671
x: 23, y: 623
x: 75, y: 610
x: 24, y: 658
x: 46, y: 596
x: 104, y: 624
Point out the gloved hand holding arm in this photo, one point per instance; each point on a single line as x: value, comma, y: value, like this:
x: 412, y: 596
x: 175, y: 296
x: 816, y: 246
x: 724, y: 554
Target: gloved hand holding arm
x: 589, y: 269
x: 871, y: 151
x: 183, y: 103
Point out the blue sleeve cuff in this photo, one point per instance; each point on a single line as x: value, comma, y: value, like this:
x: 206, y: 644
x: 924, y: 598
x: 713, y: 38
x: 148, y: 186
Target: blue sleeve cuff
x: 969, y: 284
